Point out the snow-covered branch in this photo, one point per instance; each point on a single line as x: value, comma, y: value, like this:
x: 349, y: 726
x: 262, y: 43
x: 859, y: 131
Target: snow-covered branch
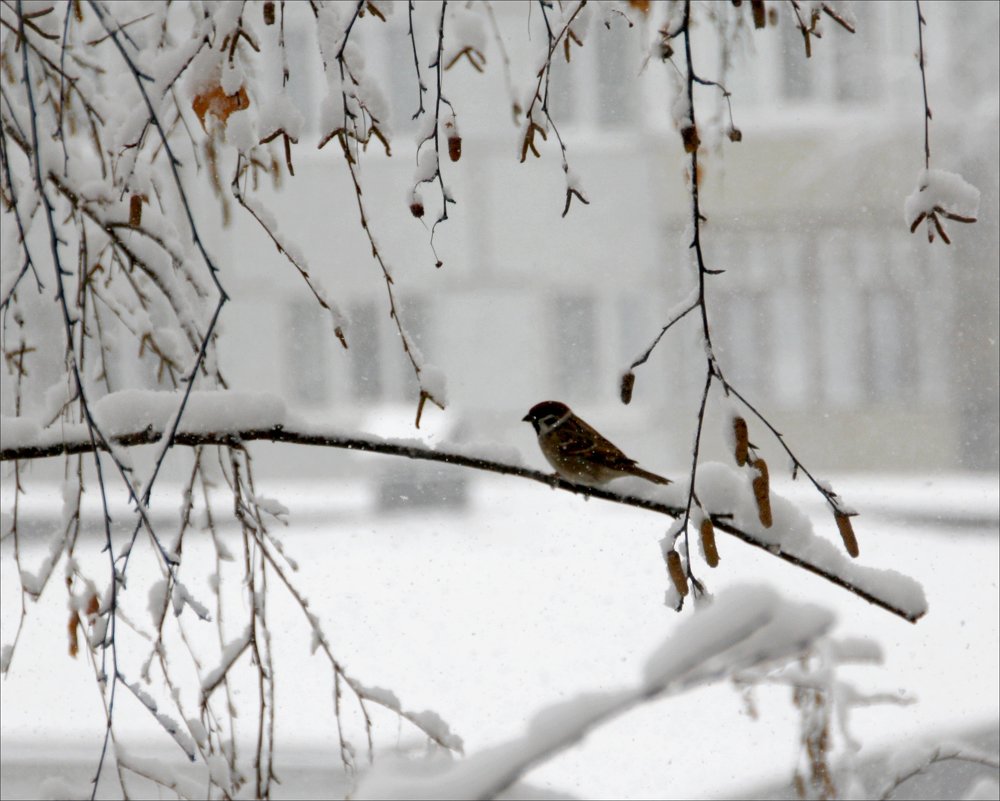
x: 233, y: 419
x: 744, y: 628
x: 940, y: 195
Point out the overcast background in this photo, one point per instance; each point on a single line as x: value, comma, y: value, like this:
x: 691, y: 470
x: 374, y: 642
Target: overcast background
x: 873, y: 352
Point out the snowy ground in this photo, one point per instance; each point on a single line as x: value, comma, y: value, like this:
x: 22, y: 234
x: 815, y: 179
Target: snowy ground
x: 532, y: 596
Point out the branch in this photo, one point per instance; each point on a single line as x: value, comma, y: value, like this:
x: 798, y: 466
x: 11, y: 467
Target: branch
x: 289, y: 251
x: 872, y: 592
x: 746, y: 628
x: 540, y: 98
x: 416, y: 64
x: 344, y: 134
x: 940, y: 754
x: 923, y: 82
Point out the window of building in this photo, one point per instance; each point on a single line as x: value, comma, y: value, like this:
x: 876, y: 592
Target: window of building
x: 400, y: 76
x: 890, y: 368
x: 741, y: 342
x: 304, y: 67
x: 574, y: 356
x: 839, y: 318
x: 616, y: 67
x: 564, y: 103
x: 598, y: 87
x: 844, y: 68
x: 859, y: 71
x: 798, y: 74
x: 307, y: 367
x: 364, y: 355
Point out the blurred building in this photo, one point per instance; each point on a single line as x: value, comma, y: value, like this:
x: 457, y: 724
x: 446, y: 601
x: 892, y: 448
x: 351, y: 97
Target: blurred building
x: 868, y: 348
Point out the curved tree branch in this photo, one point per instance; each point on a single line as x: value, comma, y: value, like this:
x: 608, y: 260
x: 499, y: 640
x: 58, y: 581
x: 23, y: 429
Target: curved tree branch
x: 73, y: 444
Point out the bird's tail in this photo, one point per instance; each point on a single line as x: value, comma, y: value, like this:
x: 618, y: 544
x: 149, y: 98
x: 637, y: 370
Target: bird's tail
x: 638, y: 471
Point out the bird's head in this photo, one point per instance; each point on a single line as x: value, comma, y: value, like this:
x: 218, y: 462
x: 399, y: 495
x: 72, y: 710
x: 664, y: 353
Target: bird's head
x: 546, y: 415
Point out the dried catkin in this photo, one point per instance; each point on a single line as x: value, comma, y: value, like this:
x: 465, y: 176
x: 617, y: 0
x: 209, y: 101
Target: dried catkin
x: 847, y: 533
x: 677, y: 572
x: 628, y: 381
x: 708, y: 542
x: 761, y: 491
x: 742, y: 437
x: 135, y: 211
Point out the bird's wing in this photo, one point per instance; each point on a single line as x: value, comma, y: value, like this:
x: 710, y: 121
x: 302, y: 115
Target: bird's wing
x: 580, y: 439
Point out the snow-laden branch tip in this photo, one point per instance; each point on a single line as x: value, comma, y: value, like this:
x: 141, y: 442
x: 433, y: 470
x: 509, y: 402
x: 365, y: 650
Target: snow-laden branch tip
x: 233, y: 650
x: 745, y: 627
x: 941, y: 194
x: 428, y: 721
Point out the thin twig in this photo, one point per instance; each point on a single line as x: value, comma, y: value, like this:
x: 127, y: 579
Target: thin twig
x: 676, y: 319
x: 921, y: 22
x: 416, y: 64
x: 938, y: 755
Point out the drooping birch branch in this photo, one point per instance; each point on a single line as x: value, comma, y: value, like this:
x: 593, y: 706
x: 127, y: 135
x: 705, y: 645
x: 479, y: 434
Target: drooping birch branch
x: 868, y: 583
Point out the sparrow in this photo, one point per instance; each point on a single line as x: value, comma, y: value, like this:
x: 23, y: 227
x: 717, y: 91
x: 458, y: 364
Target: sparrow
x: 577, y: 451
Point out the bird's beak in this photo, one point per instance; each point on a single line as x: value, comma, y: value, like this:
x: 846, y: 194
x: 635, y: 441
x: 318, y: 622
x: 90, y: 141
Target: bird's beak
x: 526, y: 418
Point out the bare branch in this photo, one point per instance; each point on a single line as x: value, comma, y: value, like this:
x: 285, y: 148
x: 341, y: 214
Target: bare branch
x: 286, y: 434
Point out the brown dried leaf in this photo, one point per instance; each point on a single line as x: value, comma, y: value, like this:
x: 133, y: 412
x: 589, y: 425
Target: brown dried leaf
x: 454, y: 147
x: 216, y: 102
x: 269, y: 13
x: 759, y: 13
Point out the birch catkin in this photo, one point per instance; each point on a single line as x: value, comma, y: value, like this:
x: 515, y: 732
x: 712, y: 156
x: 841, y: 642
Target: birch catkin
x: 677, y: 572
x: 761, y: 491
x: 628, y: 381
x: 847, y: 533
x: 135, y: 211
x: 742, y: 437
x: 707, y: 530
